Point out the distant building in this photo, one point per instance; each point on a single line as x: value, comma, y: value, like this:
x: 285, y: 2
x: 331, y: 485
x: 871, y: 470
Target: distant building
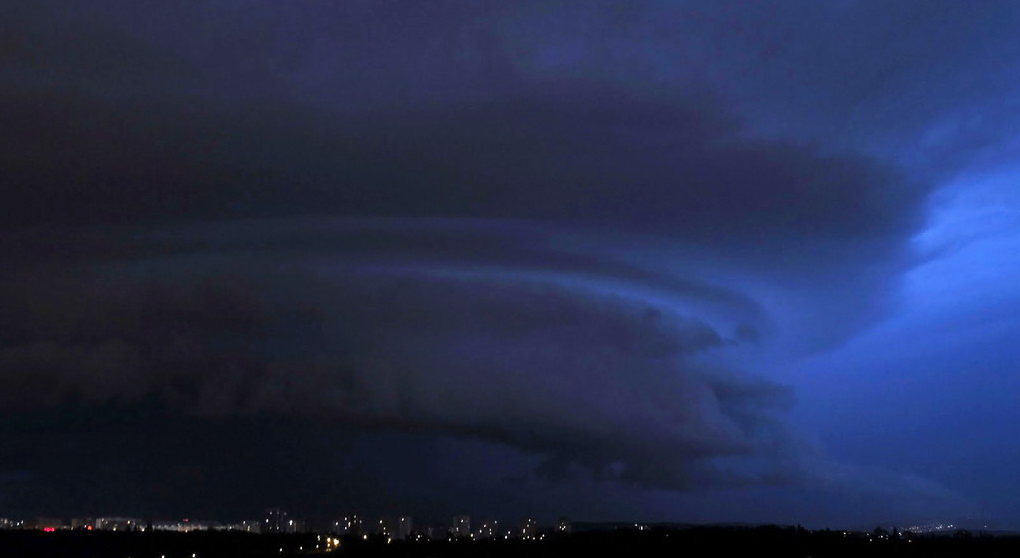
x: 405, y: 526
x: 349, y: 525
x: 11, y: 523
x: 527, y: 529
x: 119, y: 524
x: 563, y: 526
x: 251, y: 526
x: 386, y: 526
x: 274, y: 521
x: 83, y: 523
x: 933, y: 527
x: 183, y: 526
x: 436, y: 531
x: 489, y: 529
x: 240, y: 526
x: 48, y: 524
x: 461, y: 526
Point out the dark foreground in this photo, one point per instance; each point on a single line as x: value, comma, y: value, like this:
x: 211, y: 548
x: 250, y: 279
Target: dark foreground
x: 687, y: 542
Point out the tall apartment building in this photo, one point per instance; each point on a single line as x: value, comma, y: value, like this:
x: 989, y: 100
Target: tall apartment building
x: 461, y: 526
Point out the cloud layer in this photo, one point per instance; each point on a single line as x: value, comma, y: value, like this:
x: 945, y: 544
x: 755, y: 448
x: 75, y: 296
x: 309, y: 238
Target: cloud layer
x: 563, y: 236
x: 580, y: 376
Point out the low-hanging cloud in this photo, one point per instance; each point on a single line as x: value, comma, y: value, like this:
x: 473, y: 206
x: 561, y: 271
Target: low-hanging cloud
x: 608, y: 383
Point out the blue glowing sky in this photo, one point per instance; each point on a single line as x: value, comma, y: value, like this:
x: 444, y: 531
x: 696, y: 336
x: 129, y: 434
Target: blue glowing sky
x: 687, y: 261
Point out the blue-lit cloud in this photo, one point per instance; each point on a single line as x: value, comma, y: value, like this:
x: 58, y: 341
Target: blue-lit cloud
x: 617, y: 242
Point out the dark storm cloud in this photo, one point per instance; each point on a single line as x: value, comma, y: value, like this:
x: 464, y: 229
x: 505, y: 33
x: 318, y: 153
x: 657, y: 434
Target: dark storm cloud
x: 586, y: 155
x: 600, y: 381
x: 402, y: 218
x: 927, y: 83
x: 595, y: 156
x: 640, y: 155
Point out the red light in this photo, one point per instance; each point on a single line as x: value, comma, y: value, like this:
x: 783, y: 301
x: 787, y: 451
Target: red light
x: 89, y: 528
x: 49, y: 529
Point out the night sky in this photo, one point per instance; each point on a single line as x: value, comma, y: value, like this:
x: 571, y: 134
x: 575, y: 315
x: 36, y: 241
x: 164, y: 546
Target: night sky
x: 670, y: 261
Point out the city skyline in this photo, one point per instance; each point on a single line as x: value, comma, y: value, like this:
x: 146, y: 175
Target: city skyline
x: 276, y: 521
x: 401, y: 528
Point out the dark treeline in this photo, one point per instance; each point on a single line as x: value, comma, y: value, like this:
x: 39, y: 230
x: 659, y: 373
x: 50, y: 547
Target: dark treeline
x: 688, y: 542
x: 695, y: 542
x: 107, y: 544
